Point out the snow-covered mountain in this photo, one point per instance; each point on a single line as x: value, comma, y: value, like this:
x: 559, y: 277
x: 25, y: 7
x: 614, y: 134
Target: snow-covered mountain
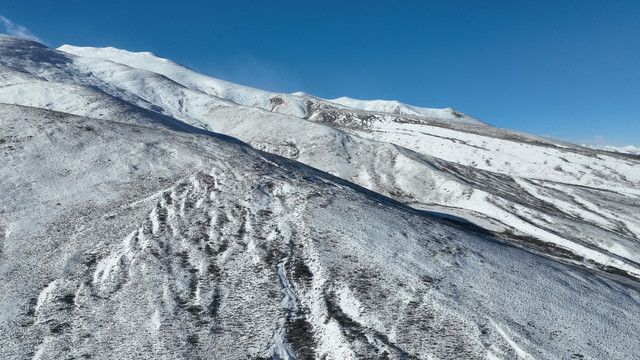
x: 151, y: 212
x: 549, y: 194
x: 629, y: 149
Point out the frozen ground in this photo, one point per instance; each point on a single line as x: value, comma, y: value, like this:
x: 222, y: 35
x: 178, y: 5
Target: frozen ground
x: 129, y: 229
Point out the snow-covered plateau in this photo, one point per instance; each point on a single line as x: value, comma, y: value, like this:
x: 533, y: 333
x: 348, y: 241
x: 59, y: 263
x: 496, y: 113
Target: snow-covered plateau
x: 149, y: 211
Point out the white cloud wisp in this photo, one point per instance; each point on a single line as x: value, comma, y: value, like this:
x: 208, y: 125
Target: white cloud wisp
x: 14, y: 29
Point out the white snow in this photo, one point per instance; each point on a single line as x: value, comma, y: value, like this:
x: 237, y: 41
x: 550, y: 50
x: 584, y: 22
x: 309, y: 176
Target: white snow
x: 395, y: 107
x: 129, y: 230
x: 628, y: 149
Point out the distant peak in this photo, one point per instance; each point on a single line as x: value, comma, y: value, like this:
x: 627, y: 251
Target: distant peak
x: 397, y: 107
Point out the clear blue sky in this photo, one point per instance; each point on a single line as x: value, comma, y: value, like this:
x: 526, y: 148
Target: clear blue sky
x: 569, y: 69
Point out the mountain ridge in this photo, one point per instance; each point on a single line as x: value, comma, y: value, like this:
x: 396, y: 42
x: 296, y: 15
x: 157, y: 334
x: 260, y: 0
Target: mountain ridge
x: 256, y: 97
x: 341, y: 144
x: 147, y: 218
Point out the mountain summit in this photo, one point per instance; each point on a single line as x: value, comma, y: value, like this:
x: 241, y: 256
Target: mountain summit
x: 150, y: 211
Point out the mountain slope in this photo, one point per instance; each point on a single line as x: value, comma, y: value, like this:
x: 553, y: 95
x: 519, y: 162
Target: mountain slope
x: 290, y: 104
x: 143, y: 220
x: 479, y: 173
x: 152, y: 243
x: 534, y: 191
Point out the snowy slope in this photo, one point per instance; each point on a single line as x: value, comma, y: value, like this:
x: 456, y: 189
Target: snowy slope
x: 398, y: 108
x: 550, y: 194
x: 544, y: 182
x: 147, y: 61
x: 629, y: 149
x: 440, y: 166
x: 148, y: 243
x: 291, y: 104
x: 136, y: 194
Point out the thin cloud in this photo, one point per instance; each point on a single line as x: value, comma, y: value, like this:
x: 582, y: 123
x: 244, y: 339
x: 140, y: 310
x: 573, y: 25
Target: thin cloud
x: 18, y: 30
x: 251, y: 71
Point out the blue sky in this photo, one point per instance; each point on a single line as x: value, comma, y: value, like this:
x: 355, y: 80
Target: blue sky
x: 568, y: 69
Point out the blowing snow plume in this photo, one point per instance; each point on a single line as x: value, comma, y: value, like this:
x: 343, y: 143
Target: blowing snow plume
x: 18, y: 30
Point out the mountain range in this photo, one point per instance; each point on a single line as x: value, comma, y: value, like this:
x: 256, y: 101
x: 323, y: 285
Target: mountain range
x: 150, y: 211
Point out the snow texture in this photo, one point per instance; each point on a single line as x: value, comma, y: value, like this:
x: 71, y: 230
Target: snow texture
x: 152, y: 212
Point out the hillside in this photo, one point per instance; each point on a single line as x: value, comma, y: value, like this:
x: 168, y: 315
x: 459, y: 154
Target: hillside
x: 571, y: 203
x: 153, y: 212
